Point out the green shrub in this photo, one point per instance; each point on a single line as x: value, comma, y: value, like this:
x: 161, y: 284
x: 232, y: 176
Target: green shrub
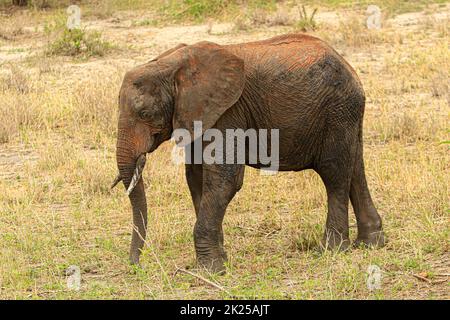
x: 306, y: 23
x: 37, y: 4
x: 79, y: 42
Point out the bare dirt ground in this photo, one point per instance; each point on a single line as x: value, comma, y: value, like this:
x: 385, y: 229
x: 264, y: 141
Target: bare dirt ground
x: 56, y: 209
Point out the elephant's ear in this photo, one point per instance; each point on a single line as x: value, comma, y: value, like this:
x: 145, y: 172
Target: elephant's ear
x: 168, y: 52
x: 209, y: 81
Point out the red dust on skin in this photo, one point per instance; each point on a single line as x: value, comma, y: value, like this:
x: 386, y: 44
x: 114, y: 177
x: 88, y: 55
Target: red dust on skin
x: 312, y: 50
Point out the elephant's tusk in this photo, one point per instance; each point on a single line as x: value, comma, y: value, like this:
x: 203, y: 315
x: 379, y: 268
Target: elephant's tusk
x: 140, y: 163
x: 116, y: 181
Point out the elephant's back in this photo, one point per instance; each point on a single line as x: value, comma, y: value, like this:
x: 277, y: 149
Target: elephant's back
x: 286, y: 56
x: 290, y: 53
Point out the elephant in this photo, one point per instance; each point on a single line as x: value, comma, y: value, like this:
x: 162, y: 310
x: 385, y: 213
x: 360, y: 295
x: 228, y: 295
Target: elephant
x: 295, y: 83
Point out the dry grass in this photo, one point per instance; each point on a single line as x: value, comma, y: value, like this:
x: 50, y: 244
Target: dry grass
x: 352, y: 32
x: 57, y: 132
x: 259, y: 17
x: 10, y: 30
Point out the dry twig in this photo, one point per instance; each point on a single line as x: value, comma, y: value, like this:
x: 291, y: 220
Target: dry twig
x: 211, y: 283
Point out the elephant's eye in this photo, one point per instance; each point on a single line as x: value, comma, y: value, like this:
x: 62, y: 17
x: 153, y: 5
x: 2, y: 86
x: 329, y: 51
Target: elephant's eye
x: 143, y: 114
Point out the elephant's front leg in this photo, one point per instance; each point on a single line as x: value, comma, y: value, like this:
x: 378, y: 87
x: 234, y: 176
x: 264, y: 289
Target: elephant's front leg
x: 219, y: 187
x: 194, y: 177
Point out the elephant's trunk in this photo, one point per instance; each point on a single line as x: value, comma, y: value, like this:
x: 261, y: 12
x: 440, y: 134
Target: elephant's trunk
x: 128, y: 165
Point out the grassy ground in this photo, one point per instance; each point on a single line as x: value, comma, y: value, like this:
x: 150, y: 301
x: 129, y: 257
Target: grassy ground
x: 57, y: 160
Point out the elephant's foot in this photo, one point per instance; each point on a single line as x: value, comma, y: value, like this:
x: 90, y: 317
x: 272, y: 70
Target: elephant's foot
x: 135, y: 254
x: 333, y: 240
x: 137, y: 243
x: 370, y: 239
x: 212, y: 265
x: 213, y: 262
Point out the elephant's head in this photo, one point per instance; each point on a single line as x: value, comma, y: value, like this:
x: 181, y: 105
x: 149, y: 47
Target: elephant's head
x: 185, y: 84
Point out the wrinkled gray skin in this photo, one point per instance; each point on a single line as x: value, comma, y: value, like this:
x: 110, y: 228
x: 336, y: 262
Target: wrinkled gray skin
x: 294, y: 83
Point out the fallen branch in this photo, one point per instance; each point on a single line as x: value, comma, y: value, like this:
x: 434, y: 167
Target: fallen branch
x: 211, y: 283
x: 421, y: 278
x: 429, y: 281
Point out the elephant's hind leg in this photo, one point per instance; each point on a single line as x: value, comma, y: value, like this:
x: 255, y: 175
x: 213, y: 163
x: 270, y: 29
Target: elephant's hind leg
x: 370, y: 230
x: 335, y: 167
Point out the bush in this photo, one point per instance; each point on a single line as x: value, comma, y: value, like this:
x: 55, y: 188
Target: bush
x: 306, y: 22
x: 37, y: 4
x: 20, y: 2
x: 79, y: 42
